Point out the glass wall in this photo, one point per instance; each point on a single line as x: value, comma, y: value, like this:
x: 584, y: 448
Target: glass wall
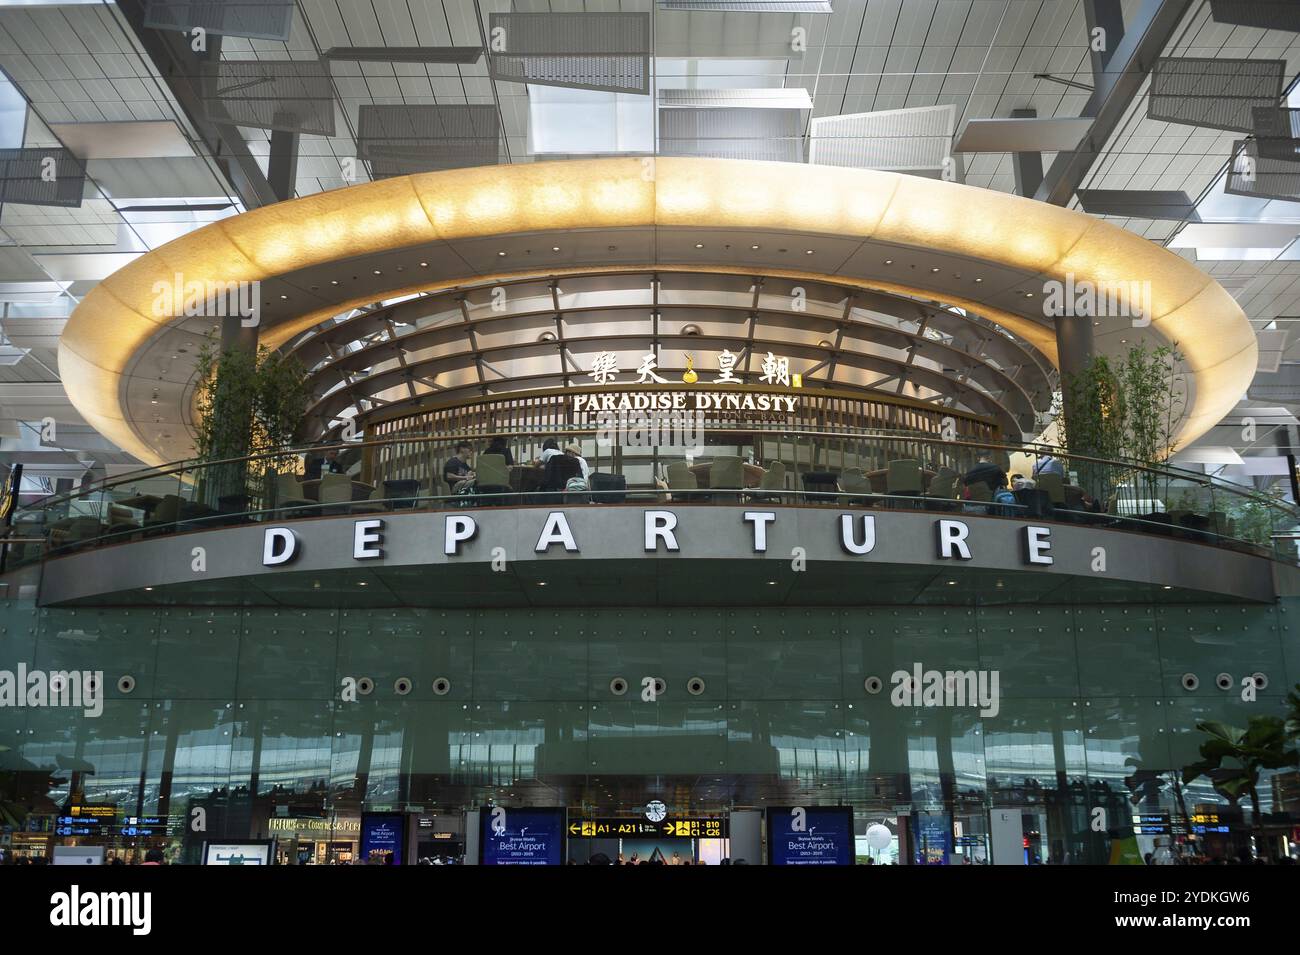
x: 239, y: 721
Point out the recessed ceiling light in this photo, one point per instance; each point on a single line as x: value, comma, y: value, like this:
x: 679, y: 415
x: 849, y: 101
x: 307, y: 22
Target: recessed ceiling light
x: 934, y: 269
x: 378, y: 272
x: 977, y: 281
x: 361, y: 583
x: 150, y: 588
x: 502, y: 254
x: 424, y: 265
x: 889, y: 261
x: 699, y: 245
x: 808, y: 251
x: 754, y: 248
x: 334, y: 281
x: 284, y: 298
x: 555, y: 248
x: 541, y: 583
x: 1123, y: 341
x: 1029, y: 295
x: 952, y: 583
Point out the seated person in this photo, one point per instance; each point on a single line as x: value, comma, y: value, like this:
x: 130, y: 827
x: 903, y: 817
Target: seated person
x: 498, y: 446
x: 574, y: 451
x: 1047, y: 464
x: 987, y: 472
x: 327, y: 463
x: 457, y: 471
x: 1021, y: 483
x: 550, y: 448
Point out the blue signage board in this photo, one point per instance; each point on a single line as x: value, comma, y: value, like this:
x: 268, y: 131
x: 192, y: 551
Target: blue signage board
x: 83, y: 820
x: 521, y: 836
x: 136, y: 826
x: 382, y: 837
x: 810, y: 835
x: 933, y: 831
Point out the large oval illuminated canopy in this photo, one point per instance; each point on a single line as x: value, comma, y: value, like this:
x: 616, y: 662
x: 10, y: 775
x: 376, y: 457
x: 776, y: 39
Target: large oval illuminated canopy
x: 323, y: 254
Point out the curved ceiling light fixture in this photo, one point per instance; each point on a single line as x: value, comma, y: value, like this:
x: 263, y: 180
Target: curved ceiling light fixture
x: 315, y: 257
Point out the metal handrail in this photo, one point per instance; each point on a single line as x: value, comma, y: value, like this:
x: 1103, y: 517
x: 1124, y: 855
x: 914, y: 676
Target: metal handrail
x: 188, y: 465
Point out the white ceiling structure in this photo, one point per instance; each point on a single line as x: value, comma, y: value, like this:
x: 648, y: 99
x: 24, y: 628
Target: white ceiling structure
x: 90, y: 77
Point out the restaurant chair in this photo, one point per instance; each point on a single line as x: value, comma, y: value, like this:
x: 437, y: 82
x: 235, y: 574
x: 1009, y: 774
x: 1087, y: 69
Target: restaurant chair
x: 727, y: 473
x: 903, y: 478
x: 160, y: 519
x: 335, y: 493
x: 980, y: 498
x: 492, y: 476
x: 682, y: 482
x: 400, y: 492
x: 942, y: 493
x: 1054, y: 485
x: 555, y: 478
x: 614, y: 487
x: 771, y: 484
x: 289, y: 494
x: 820, y: 487
x: 854, y: 481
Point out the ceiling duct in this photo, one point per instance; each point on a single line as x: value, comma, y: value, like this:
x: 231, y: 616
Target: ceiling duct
x: 1277, y: 132
x: 1261, y: 177
x: 764, y: 134
x: 1174, y: 205
x: 899, y: 140
x: 748, y: 6
x: 464, y: 55
x: 775, y: 98
x: 401, y: 140
x: 1267, y: 14
x: 295, y: 96
x: 584, y: 51
x: 254, y: 19
x: 40, y: 176
x: 1214, y: 93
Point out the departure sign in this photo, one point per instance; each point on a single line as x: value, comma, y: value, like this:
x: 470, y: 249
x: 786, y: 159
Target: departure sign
x: 668, y: 828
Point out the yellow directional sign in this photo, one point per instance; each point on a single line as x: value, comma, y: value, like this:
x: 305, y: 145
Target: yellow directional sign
x: 633, y: 828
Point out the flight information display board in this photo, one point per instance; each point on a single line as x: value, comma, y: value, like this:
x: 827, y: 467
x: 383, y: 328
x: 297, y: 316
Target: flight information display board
x: 521, y: 836
x: 811, y: 835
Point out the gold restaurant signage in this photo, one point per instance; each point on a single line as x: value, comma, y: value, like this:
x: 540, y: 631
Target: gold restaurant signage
x: 703, y: 401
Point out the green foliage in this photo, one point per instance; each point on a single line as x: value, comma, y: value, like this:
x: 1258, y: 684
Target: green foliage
x: 1292, y: 725
x: 1254, y: 518
x: 247, y: 404
x: 1232, y: 758
x: 1096, y: 403
x: 1124, y: 410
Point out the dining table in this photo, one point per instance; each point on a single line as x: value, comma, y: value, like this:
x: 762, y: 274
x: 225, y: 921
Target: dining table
x: 360, y: 489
